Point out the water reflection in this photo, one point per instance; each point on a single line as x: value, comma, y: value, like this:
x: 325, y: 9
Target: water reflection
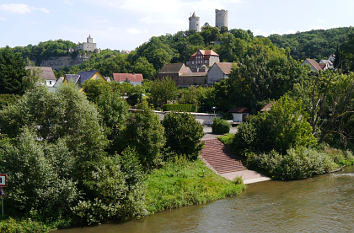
x: 320, y: 204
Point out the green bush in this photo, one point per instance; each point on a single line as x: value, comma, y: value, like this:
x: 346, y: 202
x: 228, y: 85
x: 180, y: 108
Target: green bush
x: 23, y: 226
x: 220, y: 126
x: 284, y: 127
x: 227, y: 139
x: 180, y: 107
x: 6, y: 99
x: 183, y: 133
x: 298, y: 163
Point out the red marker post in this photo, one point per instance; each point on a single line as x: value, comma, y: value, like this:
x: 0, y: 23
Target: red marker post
x: 2, y: 193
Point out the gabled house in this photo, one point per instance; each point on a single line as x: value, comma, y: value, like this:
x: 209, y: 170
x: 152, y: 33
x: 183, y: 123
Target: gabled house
x: 313, y: 64
x: 182, y: 75
x: 219, y: 71
x: 83, y: 76
x: 45, y: 73
x: 134, y: 79
x: 239, y: 114
x: 201, y: 60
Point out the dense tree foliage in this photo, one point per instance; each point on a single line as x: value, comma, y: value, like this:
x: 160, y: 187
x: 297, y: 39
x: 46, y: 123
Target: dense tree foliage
x: 64, y: 167
x: 12, y: 71
x: 45, y: 50
x: 316, y: 44
x: 162, y: 91
x: 183, y: 134
x: 344, y: 56
x: 328, y: 98
x: 145, y: 134
x: 264, y: 72
x: 280, y: 129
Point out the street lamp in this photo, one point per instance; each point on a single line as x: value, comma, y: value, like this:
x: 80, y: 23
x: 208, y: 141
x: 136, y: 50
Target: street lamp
x: 213, y: 108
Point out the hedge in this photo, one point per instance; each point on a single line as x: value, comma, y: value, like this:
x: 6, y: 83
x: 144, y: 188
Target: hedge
x: 180, y: 107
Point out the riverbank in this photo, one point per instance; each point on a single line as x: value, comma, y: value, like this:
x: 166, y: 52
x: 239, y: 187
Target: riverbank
x: 176, y: 184
x: 321, y: 204
x: 183, y: 183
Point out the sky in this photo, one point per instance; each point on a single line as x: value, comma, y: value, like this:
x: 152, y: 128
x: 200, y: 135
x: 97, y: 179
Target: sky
x: 126, y: 24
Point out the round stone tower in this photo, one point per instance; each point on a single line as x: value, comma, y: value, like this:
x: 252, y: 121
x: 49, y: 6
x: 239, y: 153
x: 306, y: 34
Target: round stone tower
x: 221, y: 18
x: 194, y: 23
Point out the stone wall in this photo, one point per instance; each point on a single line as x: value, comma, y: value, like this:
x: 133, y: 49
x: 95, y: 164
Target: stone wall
x: 63, y: 61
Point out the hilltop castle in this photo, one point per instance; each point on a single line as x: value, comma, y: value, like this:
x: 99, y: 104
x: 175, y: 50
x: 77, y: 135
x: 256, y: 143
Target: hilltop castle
x: 87, y: 46
x: 221, y: 20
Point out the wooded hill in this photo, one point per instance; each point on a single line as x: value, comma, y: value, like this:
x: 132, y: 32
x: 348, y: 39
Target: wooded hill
x: 316, y: 44
x: 232, y: 46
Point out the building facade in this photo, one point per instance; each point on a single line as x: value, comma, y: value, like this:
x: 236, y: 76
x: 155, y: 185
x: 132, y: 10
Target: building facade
x: 219, y: 71
x: 201, y: 60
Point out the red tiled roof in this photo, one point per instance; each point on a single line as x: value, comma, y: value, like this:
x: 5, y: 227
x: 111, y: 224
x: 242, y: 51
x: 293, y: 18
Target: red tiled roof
x: 122, y: 77
x: 206, y: 53
x: 239, y: 110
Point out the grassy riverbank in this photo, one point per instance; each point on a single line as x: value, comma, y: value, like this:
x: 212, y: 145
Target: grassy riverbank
x: 182, y: 183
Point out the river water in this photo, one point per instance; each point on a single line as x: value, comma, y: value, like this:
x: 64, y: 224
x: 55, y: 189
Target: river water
x: 321, y: 204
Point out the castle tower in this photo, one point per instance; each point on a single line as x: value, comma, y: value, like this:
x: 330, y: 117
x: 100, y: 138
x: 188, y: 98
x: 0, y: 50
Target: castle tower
x: 89, y: 39
x: 194, y: 24
x: 221, y: 18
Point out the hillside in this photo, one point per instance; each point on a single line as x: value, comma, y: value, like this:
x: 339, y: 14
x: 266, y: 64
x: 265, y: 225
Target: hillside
x: 232, y: 46
x: 317, y: 44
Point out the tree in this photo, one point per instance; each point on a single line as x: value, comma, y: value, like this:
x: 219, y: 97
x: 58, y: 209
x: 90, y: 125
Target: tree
x: 285, y: 126
x: 263, y: 73
x: 210, y: 34
x: 328, y: 98
x: 94, y: 88
x: 146, y: 134
x: 12, y: 70
x: 57, y: 139
x: 162, y: 91
x: 183, y: 133
x: 143, y: 66
x: 113, y: 110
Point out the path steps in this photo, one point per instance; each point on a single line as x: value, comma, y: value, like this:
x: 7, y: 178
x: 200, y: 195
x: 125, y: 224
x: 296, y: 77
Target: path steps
x: 220, y: 161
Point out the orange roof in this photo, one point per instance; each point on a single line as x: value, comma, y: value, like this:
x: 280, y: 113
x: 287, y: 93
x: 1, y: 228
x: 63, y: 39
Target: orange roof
x: 122, y: 77
x: 206, y: 53
x: 267, y: 107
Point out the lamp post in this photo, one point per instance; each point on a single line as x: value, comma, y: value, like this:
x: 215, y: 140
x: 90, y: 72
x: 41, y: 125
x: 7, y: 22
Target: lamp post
x: 213, y: 108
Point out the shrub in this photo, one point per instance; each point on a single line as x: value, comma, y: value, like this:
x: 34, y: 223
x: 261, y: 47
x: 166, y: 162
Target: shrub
x: 180, y: 107
x: 284, y: 127
x: 220, y: 126
x: 24, y: 226
x: 183, y: 133
x: 114, y: 189
x: 6, y: 99
x: 298, y: 163
x: 227, y: 139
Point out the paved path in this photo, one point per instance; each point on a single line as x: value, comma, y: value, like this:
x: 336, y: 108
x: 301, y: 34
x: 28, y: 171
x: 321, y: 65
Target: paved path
x: 217, y: 158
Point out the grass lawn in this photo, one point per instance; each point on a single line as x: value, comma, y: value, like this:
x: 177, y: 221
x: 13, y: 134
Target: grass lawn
x: 182, y: 183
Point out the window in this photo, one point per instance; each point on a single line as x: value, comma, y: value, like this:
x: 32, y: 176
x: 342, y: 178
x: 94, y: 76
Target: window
x: 50, y: 82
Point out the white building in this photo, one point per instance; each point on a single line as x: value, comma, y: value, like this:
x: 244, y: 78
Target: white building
x: 219, y: 71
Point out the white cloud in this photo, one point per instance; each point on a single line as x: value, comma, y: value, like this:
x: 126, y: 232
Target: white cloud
x: 16, y: 8
x: 21, y: 9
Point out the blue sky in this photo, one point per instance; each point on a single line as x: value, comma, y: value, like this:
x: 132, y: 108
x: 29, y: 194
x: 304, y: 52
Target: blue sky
x: 125, y: 24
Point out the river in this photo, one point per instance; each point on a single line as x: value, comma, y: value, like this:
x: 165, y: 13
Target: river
x: 320, y: 204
